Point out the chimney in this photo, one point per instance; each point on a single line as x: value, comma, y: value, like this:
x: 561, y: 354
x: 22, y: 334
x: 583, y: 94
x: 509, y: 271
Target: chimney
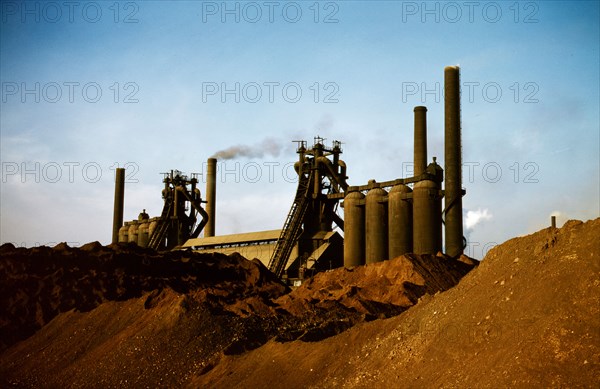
x: 211, y: 193
x: 452, y: 161
x: 118, y: 206
x: 420, y: 145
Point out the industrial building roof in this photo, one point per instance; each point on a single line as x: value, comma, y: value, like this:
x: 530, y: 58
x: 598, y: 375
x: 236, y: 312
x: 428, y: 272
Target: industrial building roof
x: 234, y: 239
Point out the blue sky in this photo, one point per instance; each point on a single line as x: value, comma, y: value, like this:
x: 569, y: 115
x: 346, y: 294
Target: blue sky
x: 530, y: 105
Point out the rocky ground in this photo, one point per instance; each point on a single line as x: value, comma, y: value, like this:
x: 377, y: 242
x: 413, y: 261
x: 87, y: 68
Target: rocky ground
x: 119, y: 316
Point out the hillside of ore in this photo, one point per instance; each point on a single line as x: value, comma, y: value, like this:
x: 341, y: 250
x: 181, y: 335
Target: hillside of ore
x: 121, y: 316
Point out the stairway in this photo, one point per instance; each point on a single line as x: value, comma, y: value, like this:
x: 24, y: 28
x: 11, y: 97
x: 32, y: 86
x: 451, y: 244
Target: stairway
x: 158, y: 235
x: 292, y: 226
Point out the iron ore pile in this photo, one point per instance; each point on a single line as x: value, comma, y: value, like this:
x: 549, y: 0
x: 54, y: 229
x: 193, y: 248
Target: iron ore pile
x: 177, y: 312
x: 123, y: 316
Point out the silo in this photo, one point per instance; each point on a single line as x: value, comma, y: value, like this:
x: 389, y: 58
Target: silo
x: 427, y: 220
x: 354, y: 229
x: 143, y: 233
x: 400, y: 221
x: 376, y: 231
x: 124, y: 233
x: 133, y: 232
x: 152, y: 226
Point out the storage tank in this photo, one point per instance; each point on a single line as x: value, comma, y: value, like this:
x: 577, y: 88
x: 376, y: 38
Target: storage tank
x: 427, y: 218
x: 133, y: 232
x: 354, y: 229
x: 124, y: 233
x: 400, y: 221
x: 143, y: 234
x: 152, y: 226
x: 376, y: 230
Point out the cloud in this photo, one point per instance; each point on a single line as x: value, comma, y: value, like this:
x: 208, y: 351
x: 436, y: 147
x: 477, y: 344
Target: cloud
x: 475, y: 217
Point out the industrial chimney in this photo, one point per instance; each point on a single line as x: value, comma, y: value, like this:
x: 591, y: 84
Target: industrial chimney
x: 118, y: 206
x: 453, y: 161
x: 420, y: 147
x: 211, y: 193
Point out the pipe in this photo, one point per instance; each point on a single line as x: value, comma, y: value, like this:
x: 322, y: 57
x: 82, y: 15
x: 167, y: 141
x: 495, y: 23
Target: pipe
x: 211, y: 193
x: 119, y: 201
x: 342, y: 166
x: 340, y: 179
x: 420, y: 146
x: 452, y: 161
x: 553, y: 221
x: 195, y: 204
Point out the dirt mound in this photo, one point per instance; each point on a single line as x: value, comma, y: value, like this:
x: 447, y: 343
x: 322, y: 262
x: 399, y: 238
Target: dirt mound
x: 364, y: 293
x: 121, y: 315
x: 528, y: 316
x: 41, y: 282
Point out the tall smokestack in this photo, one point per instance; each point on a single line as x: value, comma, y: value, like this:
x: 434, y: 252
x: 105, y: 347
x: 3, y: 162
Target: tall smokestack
x: 452, y: 161
x: 119, y: 200
x: 211, y: 193
x: 420, y: 146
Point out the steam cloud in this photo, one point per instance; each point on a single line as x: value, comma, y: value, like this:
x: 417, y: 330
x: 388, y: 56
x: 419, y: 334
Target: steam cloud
x: 475, y: 217
x: 557, y: 214
x: 269, y: 147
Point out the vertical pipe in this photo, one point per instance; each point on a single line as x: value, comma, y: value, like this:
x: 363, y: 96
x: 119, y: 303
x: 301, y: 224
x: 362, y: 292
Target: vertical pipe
x: 553, y: 221
x: 452, y: 160
x: 211, y: 193
x: 118, y: 206
x: 420, y: 146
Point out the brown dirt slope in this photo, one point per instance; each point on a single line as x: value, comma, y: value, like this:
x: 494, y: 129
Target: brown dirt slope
x: 528, y: 316
x: 39, y: 283
x: 120, y: 316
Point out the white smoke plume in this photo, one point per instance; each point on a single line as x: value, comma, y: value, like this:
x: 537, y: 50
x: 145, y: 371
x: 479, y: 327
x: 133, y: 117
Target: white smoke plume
x: 475, y: 217
x: 268, y: 147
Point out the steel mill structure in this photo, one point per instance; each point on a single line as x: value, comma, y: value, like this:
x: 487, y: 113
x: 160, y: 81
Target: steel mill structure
x: 382, y: 220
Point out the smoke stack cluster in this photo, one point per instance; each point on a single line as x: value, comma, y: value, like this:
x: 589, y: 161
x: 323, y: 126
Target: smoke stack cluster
x: 384, y: 225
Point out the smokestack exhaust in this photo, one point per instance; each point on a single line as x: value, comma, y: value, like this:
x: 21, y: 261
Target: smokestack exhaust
x: 453, y: 161
x: 211, y: 193
x: 118, y: 206
x: 420, y: 146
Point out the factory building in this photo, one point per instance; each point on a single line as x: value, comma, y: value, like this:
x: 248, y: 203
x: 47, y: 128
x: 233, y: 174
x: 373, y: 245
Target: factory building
x: 382, y: 220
